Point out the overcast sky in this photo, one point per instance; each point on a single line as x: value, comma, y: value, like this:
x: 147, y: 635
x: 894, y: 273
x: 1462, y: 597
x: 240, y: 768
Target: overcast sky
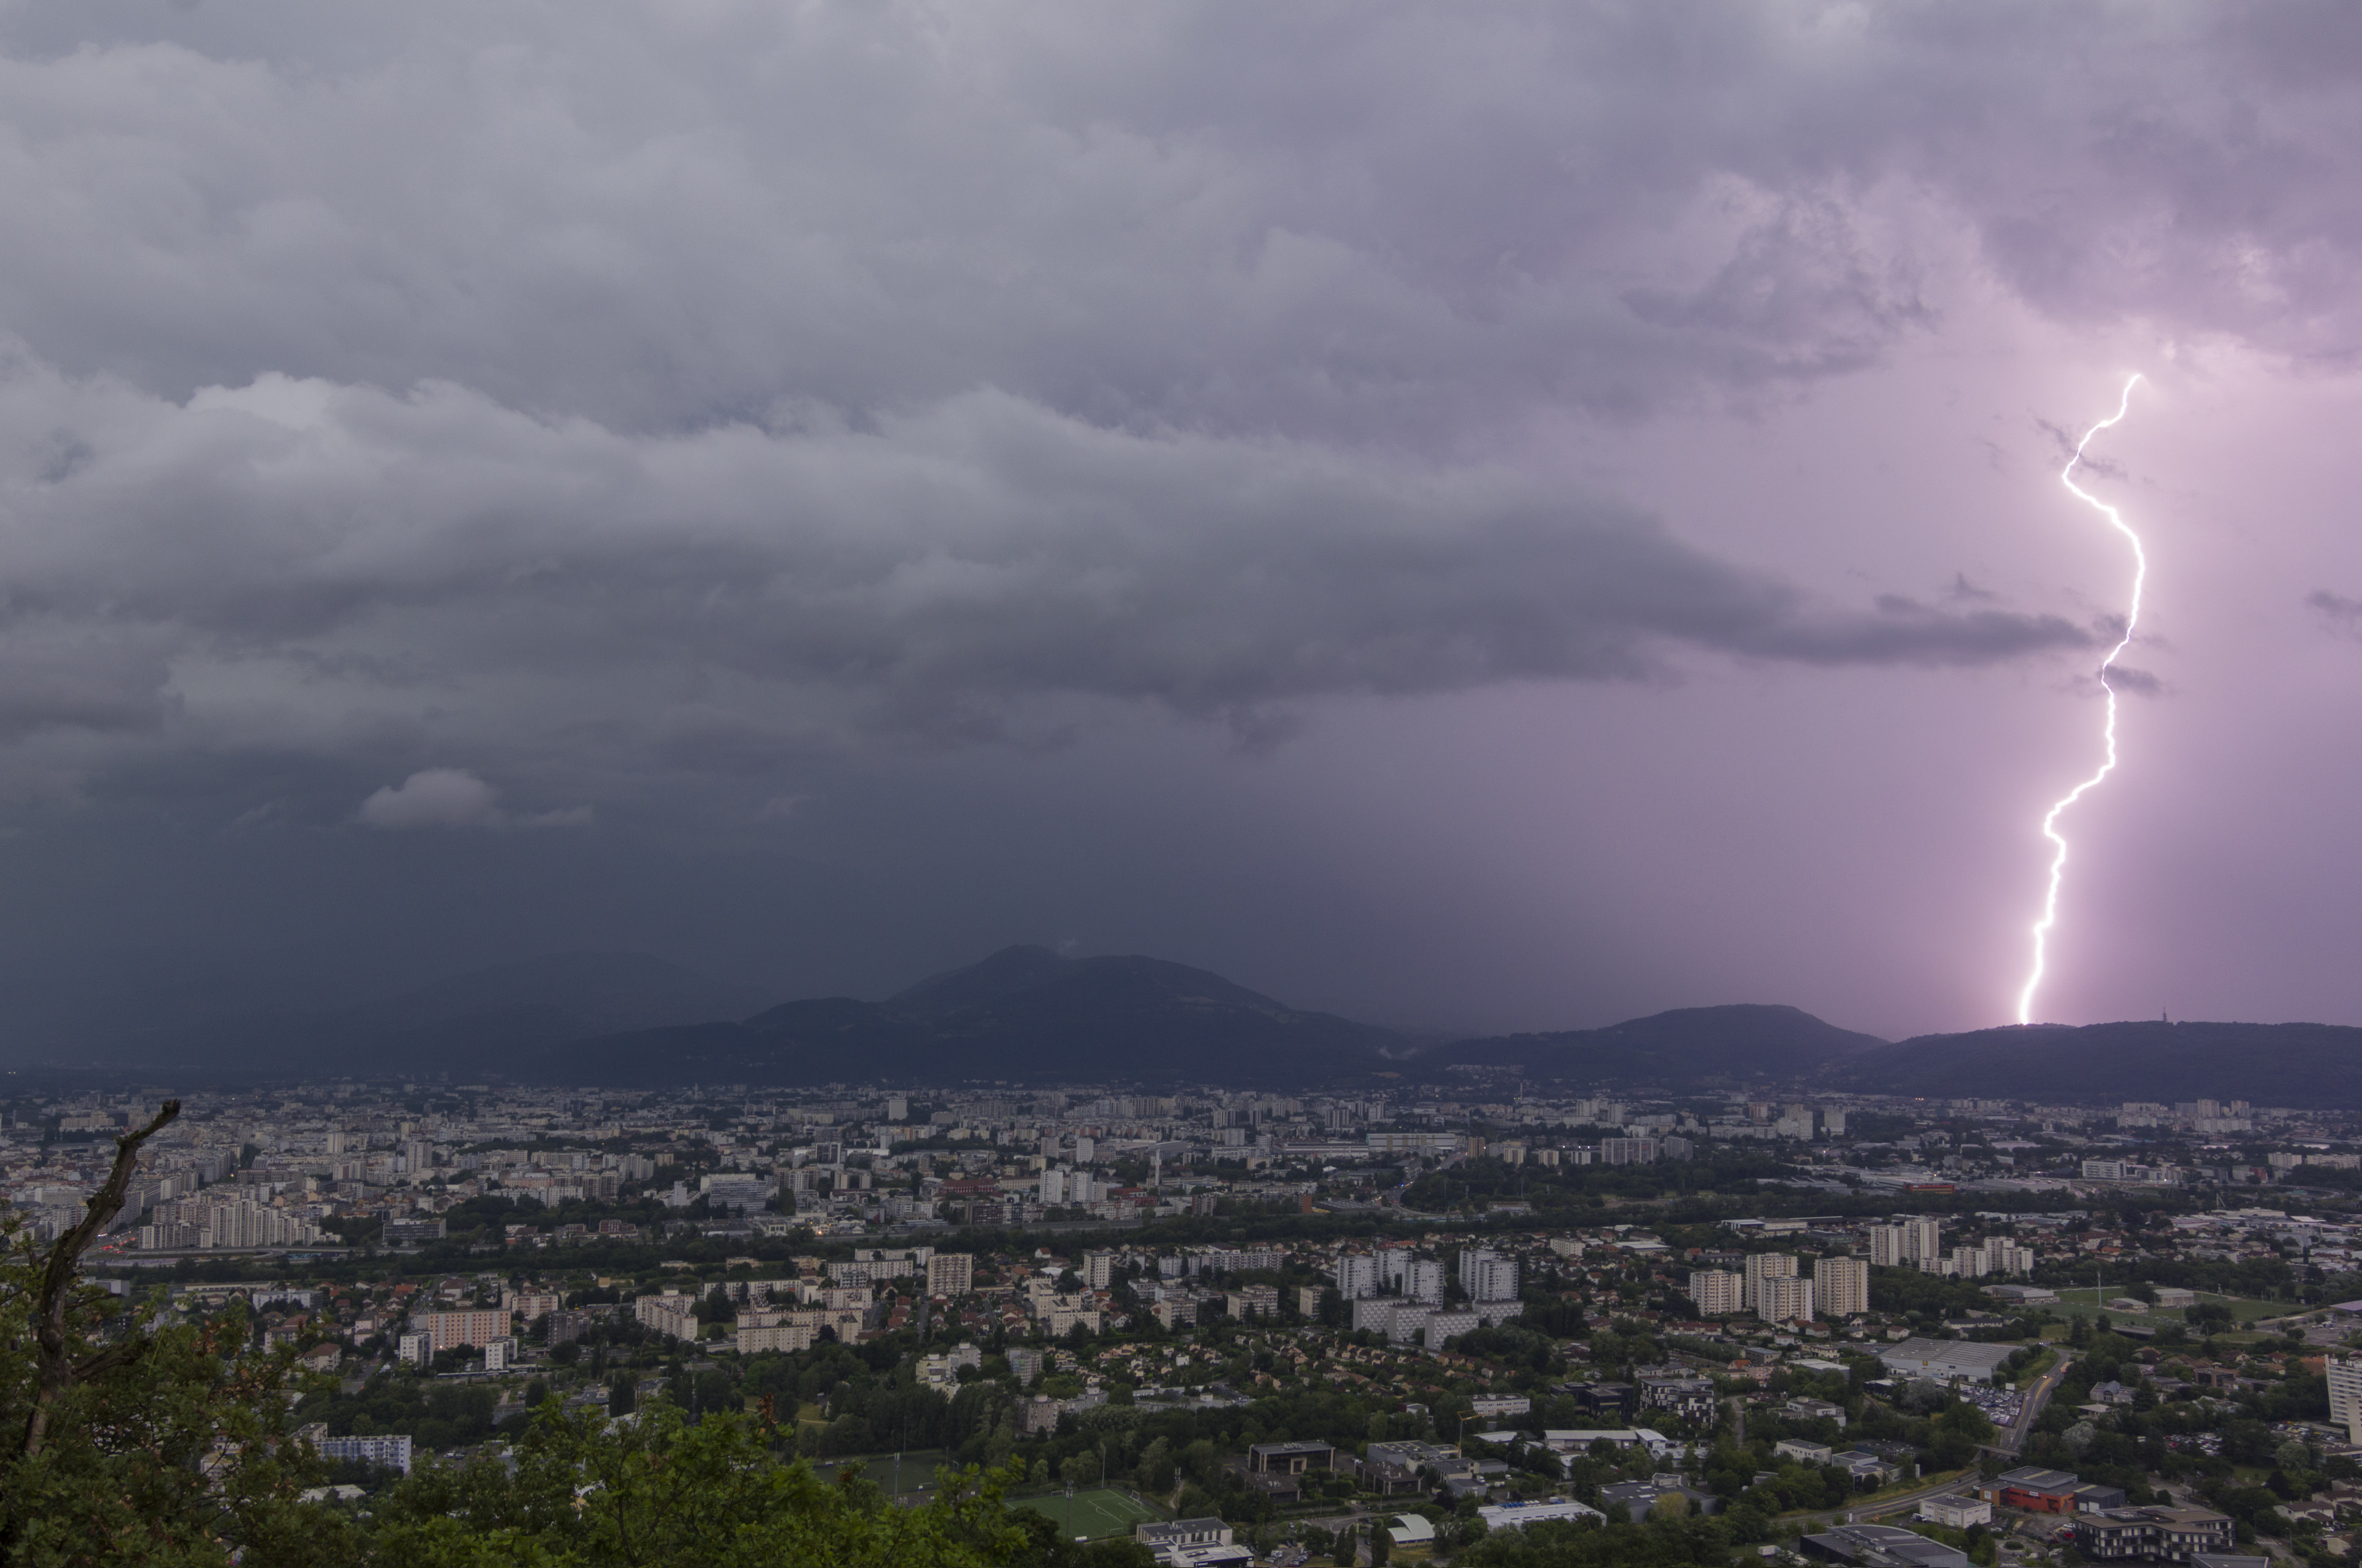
x: 1511, y: 516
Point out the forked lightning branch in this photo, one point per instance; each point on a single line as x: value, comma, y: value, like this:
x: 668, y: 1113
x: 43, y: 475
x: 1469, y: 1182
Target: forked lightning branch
x: 2042, y: 928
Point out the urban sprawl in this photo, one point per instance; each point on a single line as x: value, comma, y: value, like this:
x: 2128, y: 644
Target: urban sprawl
x: 1223, y: 1329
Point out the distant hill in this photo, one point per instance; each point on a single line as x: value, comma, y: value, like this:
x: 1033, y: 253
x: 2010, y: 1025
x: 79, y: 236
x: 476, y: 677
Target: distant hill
x: 1026, y: 1015
x: 2266, y: 1064
x: 1689, y: 1045
x: 1022, y: 1015
x: 479, y: 1020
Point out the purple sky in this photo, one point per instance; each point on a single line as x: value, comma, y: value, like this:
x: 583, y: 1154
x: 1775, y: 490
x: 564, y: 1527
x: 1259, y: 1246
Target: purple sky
x: 1498, y: 518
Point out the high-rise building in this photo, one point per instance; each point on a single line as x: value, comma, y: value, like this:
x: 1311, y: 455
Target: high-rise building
x: 1718, y: 1292
x: 1841, y: 1285
x: 1886, y: 1247
x: 669, y: 1313
x: 950, y: 1273
x: 1357, y: 1276
x: 1967, y: 1262
x: 1488, y: 1276
x: 1098, y: 1269
x: 1783, y: 1298
x: 1923, y: 1240
x: 1762, y: 1265
x: 499, y: 1354
x: 2346, y: 1395
x: 1425, y: 1281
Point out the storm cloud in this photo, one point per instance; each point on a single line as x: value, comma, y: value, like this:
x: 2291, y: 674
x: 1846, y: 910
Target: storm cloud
x: 297, y: 560
x: 464, y: 416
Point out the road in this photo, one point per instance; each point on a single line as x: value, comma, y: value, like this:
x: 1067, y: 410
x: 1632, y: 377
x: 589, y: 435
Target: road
x: 2030, y: 1411
x: 1900, y: 1500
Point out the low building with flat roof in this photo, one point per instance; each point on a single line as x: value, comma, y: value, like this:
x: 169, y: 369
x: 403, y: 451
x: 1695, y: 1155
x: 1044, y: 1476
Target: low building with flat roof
x: 1882, y: 1546
x: 1945, y: 1360
x: 1517, y: 1516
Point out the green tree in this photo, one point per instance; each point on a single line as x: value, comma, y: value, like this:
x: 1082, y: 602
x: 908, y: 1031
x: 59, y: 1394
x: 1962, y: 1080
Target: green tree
x: 156, y: 1445
x: 660, y: 1493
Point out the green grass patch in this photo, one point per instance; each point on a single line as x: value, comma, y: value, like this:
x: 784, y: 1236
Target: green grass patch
x: 915, y: 1473
x: 1091, y: 1514
x: 2036, y: 1367
x: 2085, y: 1302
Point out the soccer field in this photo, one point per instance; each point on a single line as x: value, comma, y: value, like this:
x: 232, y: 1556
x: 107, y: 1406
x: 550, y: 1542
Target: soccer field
x: 1095, y: 1514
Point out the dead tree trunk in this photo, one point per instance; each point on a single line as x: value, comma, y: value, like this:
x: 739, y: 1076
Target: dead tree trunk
x: 56, y: 1371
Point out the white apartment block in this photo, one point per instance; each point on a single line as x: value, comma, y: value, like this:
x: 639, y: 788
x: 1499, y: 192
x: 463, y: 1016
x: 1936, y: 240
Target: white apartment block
x: 671, y: 1314
x: 950, y: 1273
x: 1488, y: 1276
x: 1841, y: 1286
x: 2346, y: 1395
x: 448, y: 1331
x: 1717, y: 1291
x: 1783, y: 1298
x: 1357, y: 1276
x: 1764, y: 1266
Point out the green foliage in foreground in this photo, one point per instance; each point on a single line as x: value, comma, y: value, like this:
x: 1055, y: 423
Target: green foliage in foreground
x: 658, y: 1492
x: 128, y: 1439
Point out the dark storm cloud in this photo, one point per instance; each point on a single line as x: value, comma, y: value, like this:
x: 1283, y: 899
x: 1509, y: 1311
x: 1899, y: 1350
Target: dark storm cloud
x: 689, y: 384
x: 309, y: 554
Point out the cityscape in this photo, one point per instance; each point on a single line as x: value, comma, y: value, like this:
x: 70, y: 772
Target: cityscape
x: 1234, y: 1328
x: 1017, y: 783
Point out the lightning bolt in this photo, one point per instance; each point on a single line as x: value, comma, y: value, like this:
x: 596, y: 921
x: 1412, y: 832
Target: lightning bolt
x: 2132, y: 618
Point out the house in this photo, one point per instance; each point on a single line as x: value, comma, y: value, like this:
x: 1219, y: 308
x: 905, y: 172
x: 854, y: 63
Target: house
x: 1803, y: 1409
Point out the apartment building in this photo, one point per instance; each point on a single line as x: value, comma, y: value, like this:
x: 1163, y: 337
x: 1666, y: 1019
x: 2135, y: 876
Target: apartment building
x: 1841, y: 1285
x: 1762, y: 1265
x: 448, y: 1331
x: 951, y: 1273
x: 1783, y: 1298
x: 1718, y: 1292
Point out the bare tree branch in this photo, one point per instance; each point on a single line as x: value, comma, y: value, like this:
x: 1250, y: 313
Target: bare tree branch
x: 57, y: 1371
